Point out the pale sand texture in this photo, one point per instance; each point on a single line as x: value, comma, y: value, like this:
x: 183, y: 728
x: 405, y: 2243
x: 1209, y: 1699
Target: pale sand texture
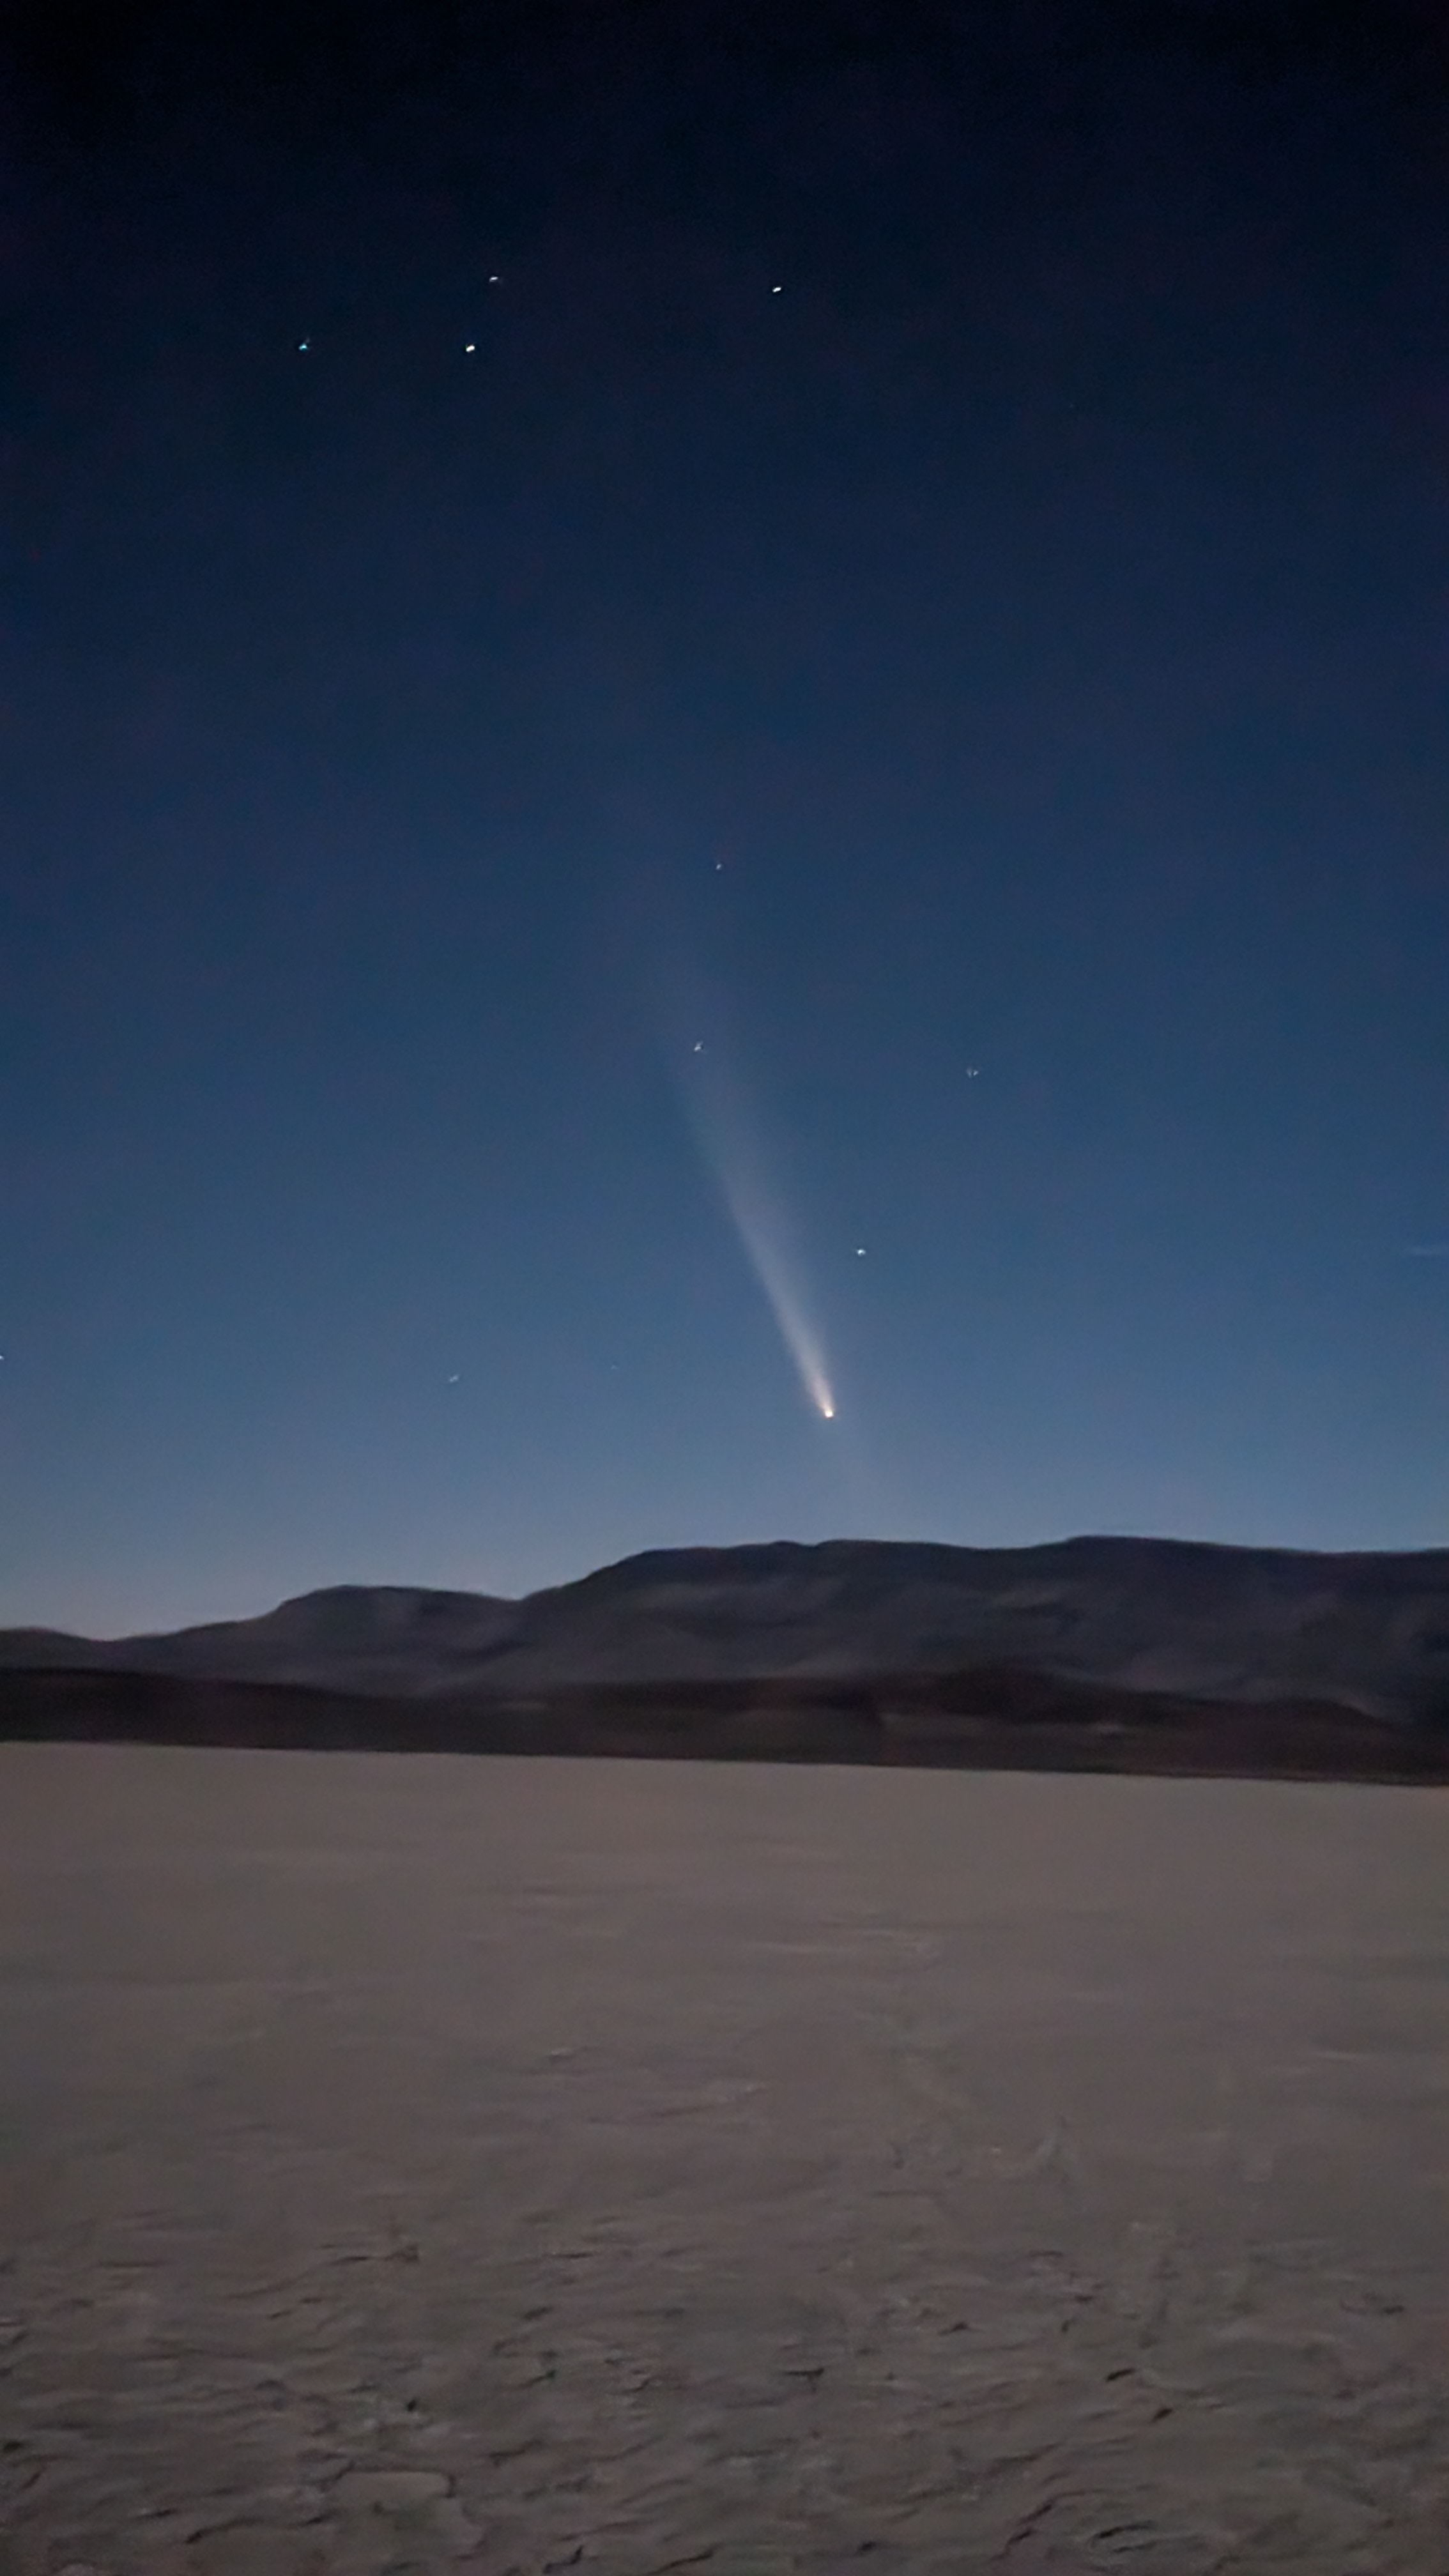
x: 412, y: 2162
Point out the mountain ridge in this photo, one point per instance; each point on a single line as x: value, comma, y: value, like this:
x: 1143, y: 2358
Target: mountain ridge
x: 1364, y: 1630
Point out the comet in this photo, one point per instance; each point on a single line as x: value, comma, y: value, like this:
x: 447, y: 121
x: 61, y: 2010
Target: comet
x: 728, y: 1140
x: 692, y: 1019
x: 761, y: 1233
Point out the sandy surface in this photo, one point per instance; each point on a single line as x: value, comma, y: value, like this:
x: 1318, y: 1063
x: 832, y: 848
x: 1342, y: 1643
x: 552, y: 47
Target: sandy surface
x: 408, y: 2162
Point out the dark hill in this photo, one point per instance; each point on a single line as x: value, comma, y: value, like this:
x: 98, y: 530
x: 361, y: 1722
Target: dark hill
x: 1151, y: 1617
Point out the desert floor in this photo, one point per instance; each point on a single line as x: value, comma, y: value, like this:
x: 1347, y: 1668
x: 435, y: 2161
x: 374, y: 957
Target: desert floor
x: 410, y: 2162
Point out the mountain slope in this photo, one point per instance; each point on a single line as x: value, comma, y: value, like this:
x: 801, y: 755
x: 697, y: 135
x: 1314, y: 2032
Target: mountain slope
x: 1367, y: 1632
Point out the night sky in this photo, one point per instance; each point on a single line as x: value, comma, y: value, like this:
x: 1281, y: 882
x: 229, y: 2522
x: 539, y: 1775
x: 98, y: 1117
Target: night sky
x: 701, y: 703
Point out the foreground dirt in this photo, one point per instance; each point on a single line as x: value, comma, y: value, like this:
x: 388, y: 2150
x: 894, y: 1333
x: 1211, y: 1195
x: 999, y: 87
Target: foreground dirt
x: 414, y: 2162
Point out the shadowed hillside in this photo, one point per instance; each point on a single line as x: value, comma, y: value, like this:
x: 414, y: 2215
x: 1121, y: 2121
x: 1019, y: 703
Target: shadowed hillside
x: 987, y: 1719
x: 1147, y: 1617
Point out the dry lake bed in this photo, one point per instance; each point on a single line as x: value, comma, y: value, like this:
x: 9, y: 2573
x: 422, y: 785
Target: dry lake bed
x: 409, y: 2163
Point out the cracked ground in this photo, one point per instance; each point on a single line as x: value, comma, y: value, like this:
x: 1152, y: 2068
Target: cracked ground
x: 411, y: 2164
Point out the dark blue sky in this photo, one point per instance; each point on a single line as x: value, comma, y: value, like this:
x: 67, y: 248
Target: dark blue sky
x: 1018, y: 644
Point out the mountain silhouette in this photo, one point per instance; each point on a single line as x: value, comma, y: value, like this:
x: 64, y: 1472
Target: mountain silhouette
x: 1367, y: 1633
